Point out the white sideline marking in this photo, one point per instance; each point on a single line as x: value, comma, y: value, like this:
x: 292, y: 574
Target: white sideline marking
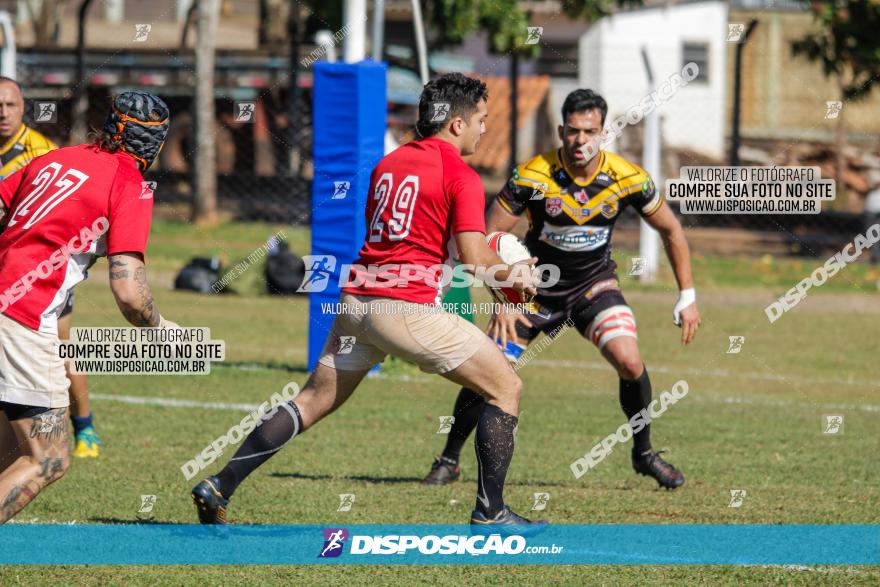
x: 182, y: 403
x: 595, y: 365
x: 787, y: 403
x: 732, y: 399
x: 173, y: 403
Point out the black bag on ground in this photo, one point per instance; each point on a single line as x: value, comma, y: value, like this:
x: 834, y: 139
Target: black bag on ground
x: 284, y: 271
x: 199, y: 275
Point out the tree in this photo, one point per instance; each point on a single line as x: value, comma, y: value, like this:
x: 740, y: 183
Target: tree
x: 508, y: 28
x: 205, y: 184
x: 46, y: 22
x: 845, y: 41
x: 505, y: 21
x: 453, y: 20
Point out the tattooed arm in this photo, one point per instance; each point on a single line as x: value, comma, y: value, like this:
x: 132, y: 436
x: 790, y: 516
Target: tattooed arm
x: 128, y: 282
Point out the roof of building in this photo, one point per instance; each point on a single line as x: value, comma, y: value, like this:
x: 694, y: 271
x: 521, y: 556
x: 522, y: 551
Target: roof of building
x: 493, y: 153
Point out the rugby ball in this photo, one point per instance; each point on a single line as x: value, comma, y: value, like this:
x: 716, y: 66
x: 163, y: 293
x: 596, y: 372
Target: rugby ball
x: 511, y: 251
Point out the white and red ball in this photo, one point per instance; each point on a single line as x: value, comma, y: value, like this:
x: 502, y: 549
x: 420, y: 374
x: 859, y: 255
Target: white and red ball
x: 510, y: 250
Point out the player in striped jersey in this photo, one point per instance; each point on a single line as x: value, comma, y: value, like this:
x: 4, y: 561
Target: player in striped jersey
x: 572, y: 197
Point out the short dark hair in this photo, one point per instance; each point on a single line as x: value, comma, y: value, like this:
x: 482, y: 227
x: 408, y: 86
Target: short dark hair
x: 105, y: 141
x: 461, y: 93
x: 583, y: 100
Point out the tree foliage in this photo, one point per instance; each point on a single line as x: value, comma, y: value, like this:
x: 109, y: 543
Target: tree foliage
x: 846, y: 41
x: 452, y: 21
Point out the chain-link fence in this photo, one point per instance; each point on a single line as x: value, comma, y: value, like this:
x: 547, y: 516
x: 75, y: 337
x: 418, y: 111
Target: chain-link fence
x: 263, y: 154
x: 264, y: 142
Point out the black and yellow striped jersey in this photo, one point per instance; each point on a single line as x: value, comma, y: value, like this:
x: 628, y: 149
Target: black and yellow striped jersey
x: 570, y: 223
x: 25, y: 145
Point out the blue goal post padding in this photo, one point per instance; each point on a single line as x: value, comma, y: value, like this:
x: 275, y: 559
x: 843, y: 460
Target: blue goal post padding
x: 349, y: 112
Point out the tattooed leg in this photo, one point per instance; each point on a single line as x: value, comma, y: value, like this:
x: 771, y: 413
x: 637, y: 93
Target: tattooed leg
x: 8, y: 444
x: 42, y: 449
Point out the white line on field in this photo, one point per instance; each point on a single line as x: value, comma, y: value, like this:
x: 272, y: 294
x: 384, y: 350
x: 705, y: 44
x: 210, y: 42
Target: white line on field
x: 173, y: 403
x: 182, y: 403
x: 596, y: 365
x: 783, y: 403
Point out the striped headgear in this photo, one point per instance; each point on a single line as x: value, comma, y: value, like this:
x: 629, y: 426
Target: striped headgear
x: 130, y: 121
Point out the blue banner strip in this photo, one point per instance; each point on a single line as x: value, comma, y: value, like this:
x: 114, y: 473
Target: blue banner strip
x: 658, y: 544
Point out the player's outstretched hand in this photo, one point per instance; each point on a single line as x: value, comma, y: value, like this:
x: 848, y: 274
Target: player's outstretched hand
x: 690, y: 323
x: 525, y: 281
x: 503, y: 325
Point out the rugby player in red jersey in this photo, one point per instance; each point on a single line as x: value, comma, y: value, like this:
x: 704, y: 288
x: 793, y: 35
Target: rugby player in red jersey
x: 421, y: 197
x: 21, y: 145
x: 60, y: 213
x: 573, y: 196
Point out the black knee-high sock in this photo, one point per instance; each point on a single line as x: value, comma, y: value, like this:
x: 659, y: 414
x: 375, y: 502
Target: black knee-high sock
x: 468, y: 407
x: 496, y: 437
x: 265, y: 440
x: 635, y: 395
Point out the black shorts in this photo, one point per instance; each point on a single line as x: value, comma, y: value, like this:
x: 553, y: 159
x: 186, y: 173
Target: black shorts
x: 580, y: 305
x: 68, y: 306
x: 19, y: 412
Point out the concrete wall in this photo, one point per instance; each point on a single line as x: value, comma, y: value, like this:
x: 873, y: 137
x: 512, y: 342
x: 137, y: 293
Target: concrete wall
x: 784, y: 96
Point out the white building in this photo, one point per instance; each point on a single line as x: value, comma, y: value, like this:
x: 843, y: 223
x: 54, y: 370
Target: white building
x: 611, y: 64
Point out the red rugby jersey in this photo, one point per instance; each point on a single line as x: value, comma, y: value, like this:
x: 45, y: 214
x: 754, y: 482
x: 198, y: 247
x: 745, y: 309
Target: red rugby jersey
x: 420, y: 195
x: 63, y: 210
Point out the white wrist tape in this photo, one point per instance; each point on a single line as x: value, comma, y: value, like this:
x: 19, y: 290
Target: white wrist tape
x: 686, y: 297
x: 168, y: 324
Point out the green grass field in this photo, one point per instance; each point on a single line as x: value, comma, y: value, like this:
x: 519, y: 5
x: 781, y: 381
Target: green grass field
x: 751, y: 421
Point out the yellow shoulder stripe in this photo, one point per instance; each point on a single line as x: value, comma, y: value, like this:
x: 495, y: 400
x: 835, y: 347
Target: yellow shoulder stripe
x: 504, y: 204
x: 620, y: 166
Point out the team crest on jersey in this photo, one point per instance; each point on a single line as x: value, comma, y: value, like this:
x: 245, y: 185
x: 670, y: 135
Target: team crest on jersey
x: 609, y: 209
x: 581, y: 197
x: 553, y: 206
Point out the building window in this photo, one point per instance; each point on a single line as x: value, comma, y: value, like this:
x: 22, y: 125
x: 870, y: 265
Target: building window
x: 699, y: 54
